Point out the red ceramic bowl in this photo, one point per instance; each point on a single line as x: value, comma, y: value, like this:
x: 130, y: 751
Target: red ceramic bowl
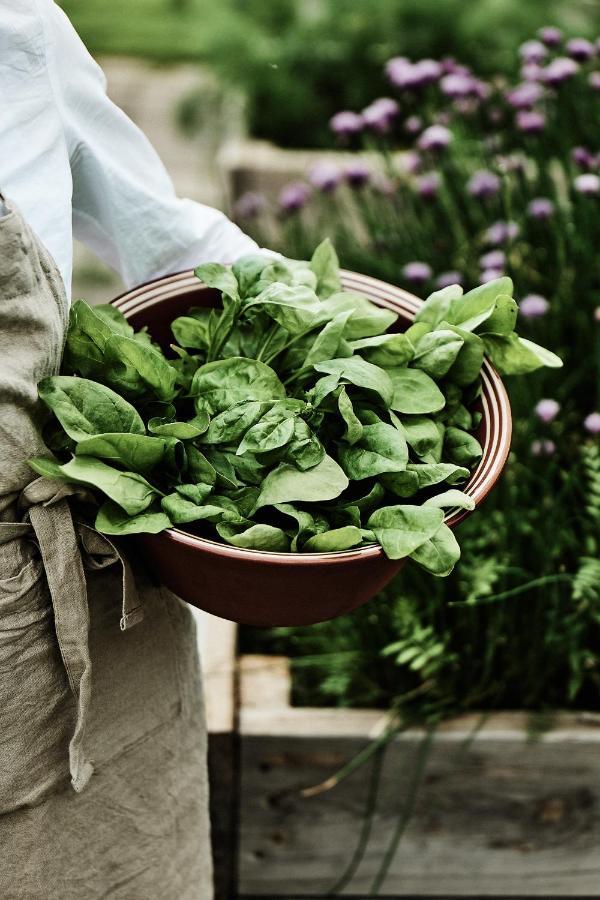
x: 263, y: 588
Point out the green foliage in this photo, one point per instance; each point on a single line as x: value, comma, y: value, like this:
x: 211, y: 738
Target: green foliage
x: 264, y: 436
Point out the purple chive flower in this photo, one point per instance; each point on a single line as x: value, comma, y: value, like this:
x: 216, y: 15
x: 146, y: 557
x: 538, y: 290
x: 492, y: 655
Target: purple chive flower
x: 550, y: 36
x: 417, y: 272
x: 547, y: 410
x: 413, y: 125
x: 483, y: 184
x: 409, y: 162
x: 383, y: 185
x: 560, y: 69
x: 294, y: 196
x: 580, y: 49
x: 495, y: 259
x: 458, y: 84
x: 346, y: 123
x: 591, y: 423
x: 597, y: 314
x: 533, y: 306
x: 434, y: 138
x: 490, y: 275
x: 587, y: 184
x: 445, y: 279
x: 533, y: 51
x: 428, y: 185
x: 525, y: 95
x: 540, y: 208
x: 249, y: 205
x: 543, y: 448
x: 582, y: 157
x: 501, y: 233
x: 407, y: 75
x: 530, y: 121
x: 325, y: 176
x: 380, y: 114
x: 532, y: 72
x: 594, y: 80
x: 357, y: 173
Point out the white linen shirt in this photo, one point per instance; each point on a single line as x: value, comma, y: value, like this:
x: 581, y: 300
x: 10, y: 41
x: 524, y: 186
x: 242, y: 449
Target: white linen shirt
x: 75, y: 164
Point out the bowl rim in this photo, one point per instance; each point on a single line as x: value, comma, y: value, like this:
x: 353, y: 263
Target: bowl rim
x: 494, y: 398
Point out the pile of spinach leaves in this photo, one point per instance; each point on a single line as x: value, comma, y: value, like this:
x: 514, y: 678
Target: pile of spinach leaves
x: 292, y: 419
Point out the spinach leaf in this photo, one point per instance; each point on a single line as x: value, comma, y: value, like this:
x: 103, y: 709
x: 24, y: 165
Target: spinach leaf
x: 217, y: 276
x: 84, y: 407
x: 402, y: 529
x: 255, y: 537
x: 471, y: 310
x: 461, y: 448
x: 137, y: 452
x: 111, y: 519
x: 336, y: 539
x: 436, y: 351
x: 439, y: 554
x: 354, y: 428
x: 287, y: 484
x: 220, y: 384
x: 415, y: 392
x: 381, y: 448
x: 128, y: 489
x: 361, y: 373
x: 325, y: 265
x: 513, y: 355
x: 435, y: 309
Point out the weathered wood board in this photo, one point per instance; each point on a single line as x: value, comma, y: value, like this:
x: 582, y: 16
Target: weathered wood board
x: 497, y: 814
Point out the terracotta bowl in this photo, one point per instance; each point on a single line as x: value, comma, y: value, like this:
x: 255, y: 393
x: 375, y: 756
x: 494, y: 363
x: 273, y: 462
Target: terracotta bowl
x: 264, y: 588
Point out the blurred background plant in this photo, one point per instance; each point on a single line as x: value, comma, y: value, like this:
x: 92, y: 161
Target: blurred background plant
x: 298, y: 61
x: 463, y: 178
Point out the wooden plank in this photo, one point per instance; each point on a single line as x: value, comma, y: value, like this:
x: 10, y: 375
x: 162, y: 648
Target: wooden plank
x: 500, y: 814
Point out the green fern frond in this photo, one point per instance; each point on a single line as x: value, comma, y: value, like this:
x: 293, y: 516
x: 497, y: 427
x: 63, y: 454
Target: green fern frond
x: 590, y: 454
x: 586, y: 583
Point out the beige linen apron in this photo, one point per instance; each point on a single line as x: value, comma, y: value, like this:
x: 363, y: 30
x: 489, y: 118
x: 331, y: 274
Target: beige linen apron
x: 103, y: 789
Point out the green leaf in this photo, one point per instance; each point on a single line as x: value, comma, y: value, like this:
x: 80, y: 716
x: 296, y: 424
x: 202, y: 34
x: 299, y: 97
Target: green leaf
x: 467, y: 366
x: 436, y: 351
x: 305, y: 450
x: 295, y: 308
x: 199, y: 469
x: 128, y: 361
x: 326, y: 344
x: 439, y: 554
x: 470, y: 311
x: 220, y: 384
x: 229, y: 426
x: 336, y: 539
x: 402, y: 529
x: 275, y: 428
x: 182, y: 511
x: 256, y: 537
x: 215, y: 275
x: 503, y: 318
x: 248, y: 270
x: 136, y: 452
x: 380, y: 449
x: 360, y: 373
x: 84, y: 407
x: 416, y: 477
x: 322, y: 389
x: 415, y: 392
x: 435, y: 309
x: 132, y: 492
x: 326, y: 266
x: 461, y: 448
x: 354, y: 428
x: 287, y: 484
x: 183, y: 431
x: 112, y: 520
x: 366, y: 320
x: 192, y: 331
x: 421, y: 433
x: 386, y: 350
x: 450, y: 500
x: 49, y: 468
x: 513, y: 355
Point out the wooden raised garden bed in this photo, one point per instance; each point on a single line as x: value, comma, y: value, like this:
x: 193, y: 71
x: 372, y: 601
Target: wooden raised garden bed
x: 498, y: 812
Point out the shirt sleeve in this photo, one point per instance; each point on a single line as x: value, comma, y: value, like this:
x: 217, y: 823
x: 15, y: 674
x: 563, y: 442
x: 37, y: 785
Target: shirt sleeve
x: 124, y: 205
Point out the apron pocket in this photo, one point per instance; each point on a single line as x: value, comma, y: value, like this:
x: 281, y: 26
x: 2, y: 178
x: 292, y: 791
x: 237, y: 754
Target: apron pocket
x: 36, y: 704
x: 136, y: 689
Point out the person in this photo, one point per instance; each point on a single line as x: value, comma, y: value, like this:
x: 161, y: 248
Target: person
x: 103, y: 786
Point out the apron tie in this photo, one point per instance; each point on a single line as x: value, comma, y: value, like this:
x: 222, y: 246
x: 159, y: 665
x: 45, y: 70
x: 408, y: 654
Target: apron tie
x: 61, y: 541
